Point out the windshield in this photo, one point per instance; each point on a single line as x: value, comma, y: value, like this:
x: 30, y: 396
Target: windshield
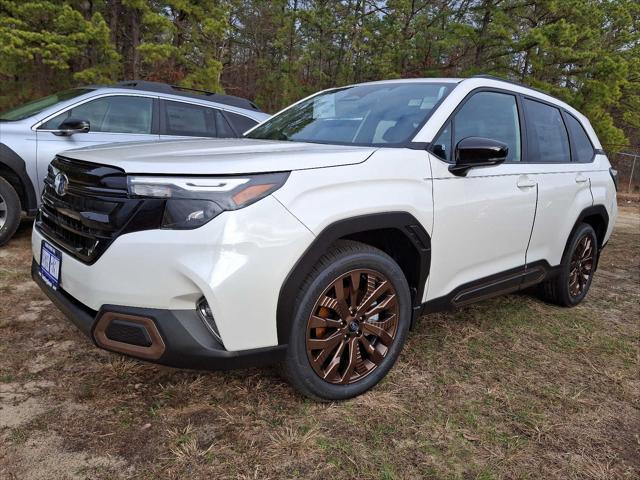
x: 372, y: 115
x: 36, y: 106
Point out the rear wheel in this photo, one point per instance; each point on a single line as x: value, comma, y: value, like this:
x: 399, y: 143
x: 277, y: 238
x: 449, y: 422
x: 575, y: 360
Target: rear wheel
x: 9, y: 211
x: 571, y: 285
x: 350, y: 324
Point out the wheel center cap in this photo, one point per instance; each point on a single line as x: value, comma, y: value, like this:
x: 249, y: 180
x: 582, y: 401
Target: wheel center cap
x: 354, y: 326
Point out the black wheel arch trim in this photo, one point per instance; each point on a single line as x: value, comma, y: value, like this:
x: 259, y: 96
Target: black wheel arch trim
x: 594, y: 210
x: 404, y: 222
x: 17, y: 166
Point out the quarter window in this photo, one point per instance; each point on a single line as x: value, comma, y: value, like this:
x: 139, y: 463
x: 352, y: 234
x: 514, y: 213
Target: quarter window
x: 547, y: 138
x: 490, y: 115
x: 583, y: 149
x: 442, y: 145
x: 114, y: 114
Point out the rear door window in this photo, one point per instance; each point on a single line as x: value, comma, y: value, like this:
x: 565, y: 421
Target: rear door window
x: 547, y: 138
x: 240, y: 122
x: 223, y: 127
x: 184, y: 119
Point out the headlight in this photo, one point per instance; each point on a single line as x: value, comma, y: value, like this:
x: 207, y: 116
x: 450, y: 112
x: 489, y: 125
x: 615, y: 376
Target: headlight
x: 193, y: 201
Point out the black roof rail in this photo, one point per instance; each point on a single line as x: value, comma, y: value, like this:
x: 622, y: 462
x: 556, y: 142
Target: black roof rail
x: 512, y: 82
x: 159, y: 87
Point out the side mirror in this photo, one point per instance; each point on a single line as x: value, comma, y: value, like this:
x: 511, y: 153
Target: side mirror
x: 72, y: 125
x: 477, y: 152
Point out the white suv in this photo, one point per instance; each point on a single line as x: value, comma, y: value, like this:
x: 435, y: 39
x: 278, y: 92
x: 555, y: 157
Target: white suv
x: 321, y: 237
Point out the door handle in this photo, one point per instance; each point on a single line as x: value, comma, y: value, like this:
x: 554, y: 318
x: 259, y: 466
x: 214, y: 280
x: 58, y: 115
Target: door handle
x: 525, y: 182
x: 580, y: 178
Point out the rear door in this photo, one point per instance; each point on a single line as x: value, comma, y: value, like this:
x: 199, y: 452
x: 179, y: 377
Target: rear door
x: 560, y: 158
x: 113, y: 118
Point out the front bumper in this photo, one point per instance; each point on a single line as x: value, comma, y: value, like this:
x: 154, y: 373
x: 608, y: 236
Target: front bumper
x: 238, y: 262
x: 186, y: 342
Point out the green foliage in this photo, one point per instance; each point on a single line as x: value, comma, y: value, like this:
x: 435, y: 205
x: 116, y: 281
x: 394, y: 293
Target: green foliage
x: 48, y: 45
x: 587, y: 52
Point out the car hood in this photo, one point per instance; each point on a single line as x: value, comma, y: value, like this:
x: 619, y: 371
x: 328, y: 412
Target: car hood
x: 219, y: 156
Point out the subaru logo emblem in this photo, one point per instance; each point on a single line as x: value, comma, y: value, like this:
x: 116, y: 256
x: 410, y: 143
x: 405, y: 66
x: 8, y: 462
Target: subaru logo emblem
x: 60, y: 184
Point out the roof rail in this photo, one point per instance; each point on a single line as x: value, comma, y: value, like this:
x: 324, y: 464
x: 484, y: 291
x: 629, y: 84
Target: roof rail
x: 159, y: 87
x: 512, y: 82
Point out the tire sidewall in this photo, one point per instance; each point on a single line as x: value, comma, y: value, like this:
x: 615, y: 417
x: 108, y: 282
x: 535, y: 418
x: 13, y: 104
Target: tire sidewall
x: 583, y: 230
x: 14, y: 208
x: 297, y: 360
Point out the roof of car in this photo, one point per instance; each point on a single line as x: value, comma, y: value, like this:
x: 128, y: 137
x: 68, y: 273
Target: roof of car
x: 158, y: 87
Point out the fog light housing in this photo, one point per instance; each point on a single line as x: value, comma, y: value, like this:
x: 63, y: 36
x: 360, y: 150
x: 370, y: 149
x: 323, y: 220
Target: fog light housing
x: 207, y: 317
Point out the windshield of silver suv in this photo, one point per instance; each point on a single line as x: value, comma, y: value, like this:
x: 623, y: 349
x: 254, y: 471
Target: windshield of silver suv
x: 371, y: 115
x: 36, y: 106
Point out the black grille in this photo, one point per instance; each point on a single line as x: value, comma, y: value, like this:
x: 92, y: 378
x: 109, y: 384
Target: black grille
x: 92, y: 212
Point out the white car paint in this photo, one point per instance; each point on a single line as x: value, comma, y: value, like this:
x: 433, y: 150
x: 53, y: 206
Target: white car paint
x: 224, y: 156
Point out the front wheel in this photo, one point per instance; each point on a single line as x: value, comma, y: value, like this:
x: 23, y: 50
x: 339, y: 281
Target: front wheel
x: 350, y: 324
x: 579, y: 262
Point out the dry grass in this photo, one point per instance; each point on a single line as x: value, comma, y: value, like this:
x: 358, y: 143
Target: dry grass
x: 509, y: 388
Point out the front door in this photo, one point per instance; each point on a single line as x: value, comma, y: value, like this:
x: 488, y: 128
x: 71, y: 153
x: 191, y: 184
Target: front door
x: 115, y: 118
x: 482, y: 221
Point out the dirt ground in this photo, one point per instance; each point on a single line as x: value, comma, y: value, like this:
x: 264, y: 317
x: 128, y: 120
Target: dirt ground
x: 509, y: 388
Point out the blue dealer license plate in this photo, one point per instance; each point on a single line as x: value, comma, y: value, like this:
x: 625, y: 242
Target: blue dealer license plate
x: 50, y: 264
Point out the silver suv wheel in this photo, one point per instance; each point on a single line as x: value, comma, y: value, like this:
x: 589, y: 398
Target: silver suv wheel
x: 9, y: 211
x: 3, y: 211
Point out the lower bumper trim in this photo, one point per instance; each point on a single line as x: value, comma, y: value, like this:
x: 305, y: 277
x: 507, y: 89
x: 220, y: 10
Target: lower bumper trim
x: 187, y: 342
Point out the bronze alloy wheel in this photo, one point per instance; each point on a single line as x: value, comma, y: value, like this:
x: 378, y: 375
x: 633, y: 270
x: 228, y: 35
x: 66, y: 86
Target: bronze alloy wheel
x: 581, y: 266
x: 352, y: 325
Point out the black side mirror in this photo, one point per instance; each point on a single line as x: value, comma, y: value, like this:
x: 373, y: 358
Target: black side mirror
x: 478, y: 152
x: 72, y: 125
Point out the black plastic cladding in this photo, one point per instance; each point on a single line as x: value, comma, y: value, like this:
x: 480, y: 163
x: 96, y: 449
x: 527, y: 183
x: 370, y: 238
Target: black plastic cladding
x: 403, y: 222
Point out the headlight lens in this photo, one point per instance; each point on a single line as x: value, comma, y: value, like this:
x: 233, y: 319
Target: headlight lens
x: 193, y: 201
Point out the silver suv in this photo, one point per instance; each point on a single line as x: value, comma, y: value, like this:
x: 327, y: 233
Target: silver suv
x: 32, y: 134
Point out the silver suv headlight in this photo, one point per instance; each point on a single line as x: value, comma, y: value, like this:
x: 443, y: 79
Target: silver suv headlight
x: 193, y: 201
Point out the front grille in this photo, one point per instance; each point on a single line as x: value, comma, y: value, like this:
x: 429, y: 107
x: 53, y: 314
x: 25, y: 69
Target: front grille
x: 92, y: 212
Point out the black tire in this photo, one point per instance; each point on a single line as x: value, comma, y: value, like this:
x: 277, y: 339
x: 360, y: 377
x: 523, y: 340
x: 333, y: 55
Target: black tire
x: 342, y: 260
x: 558, y: 290
x: 10, y: 210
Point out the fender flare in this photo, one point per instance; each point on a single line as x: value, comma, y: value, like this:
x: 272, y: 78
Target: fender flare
x: 11, y: 161
x: 404, y: 222
x: 594, y: 210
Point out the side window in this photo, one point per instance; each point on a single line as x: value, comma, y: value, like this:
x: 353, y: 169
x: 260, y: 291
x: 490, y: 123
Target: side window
x: 240, y: 122
x: 490, y: 115
x: 442, y: 145
x: 547, y: 138
x: 188, y: 120
x: 223, y: 127
x: 583, y: 149
x: 114, y: 114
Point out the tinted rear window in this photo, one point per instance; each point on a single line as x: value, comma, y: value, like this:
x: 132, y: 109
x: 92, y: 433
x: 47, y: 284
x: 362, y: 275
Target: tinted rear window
x: 547, y: 137
x: 240, y: 122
